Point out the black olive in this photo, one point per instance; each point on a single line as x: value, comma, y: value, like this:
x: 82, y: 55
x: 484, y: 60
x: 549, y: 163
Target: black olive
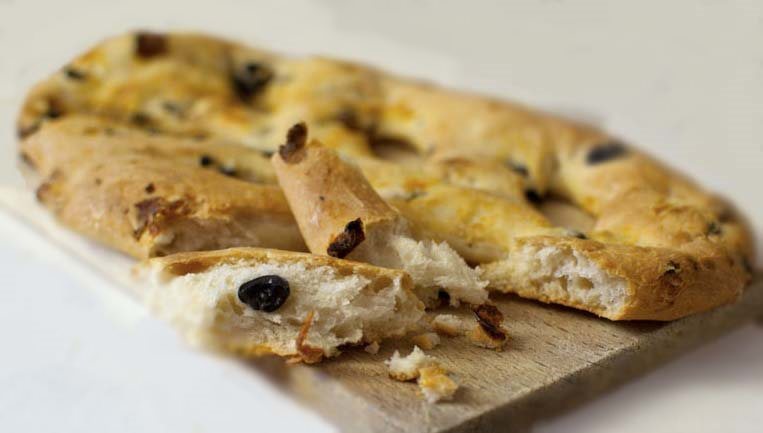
x: 532, y: 196
x: 443, y: 297
x: 266, y: 293
x: 149, y: 45
x: 518, y: 168
x: 141, y: 119
x: 74, y: 74
x: 714, y: 229
x: 206, y: 160
x: 349, y: 118
x: 174, y: 108
x: 606, y: 152
x: 250, y: 80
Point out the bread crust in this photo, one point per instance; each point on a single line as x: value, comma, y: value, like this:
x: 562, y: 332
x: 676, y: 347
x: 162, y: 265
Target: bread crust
x: 643, y: 210
x: 333, y: 204
x: 148, y: 196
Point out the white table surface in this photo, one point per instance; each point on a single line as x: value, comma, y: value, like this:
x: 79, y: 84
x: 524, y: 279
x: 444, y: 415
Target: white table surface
x: 682, y: 79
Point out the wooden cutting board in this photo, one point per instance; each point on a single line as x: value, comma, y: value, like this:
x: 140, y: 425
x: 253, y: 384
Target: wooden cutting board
x: 556, y: 358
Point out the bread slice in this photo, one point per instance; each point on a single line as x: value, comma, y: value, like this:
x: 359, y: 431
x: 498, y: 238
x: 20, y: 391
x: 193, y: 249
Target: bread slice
x: 339, y: 214
x: 330, y: 302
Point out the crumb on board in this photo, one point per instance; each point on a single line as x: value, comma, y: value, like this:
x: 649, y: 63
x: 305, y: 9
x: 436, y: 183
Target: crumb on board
x: 435, y: 384
x: 427, y: 340
x: 433, y: 380
x: 404, y: 368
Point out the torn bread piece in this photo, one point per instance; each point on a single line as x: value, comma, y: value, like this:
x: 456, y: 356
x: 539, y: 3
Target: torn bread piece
x: 340, y: 215
x: 433, y: 380
x: 253, y: 301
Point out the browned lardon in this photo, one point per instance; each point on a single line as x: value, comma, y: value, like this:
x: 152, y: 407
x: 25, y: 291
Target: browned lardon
x: 479, y: 176
x: 252, y: 301
x: 340, y: 214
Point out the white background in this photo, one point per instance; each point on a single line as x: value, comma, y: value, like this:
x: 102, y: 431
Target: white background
x: 682, y: 79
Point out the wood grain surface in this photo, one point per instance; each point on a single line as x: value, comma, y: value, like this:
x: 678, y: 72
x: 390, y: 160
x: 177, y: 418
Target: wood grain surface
x: 557, y: 358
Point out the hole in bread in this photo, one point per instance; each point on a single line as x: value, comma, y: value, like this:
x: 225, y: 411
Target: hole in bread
x: 562, y: 213
x: 394, y: 149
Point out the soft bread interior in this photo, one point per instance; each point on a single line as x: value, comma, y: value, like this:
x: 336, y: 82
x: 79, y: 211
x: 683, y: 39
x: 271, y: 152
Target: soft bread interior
x: 347, y: 308
x: 560, y: 274
x: 433, y: 266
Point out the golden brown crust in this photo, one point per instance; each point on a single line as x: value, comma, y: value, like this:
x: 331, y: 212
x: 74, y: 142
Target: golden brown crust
x: 193, y: 262
x: 147, y: 196
x: 646, y: 215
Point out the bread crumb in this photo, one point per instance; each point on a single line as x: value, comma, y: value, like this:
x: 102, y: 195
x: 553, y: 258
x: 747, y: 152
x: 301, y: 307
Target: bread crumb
x: 427, y: 340
x: 372, y: 348
x: 407, y: 368
x: 448, y: 325
x: 433, y: 380
x: 435, y: 384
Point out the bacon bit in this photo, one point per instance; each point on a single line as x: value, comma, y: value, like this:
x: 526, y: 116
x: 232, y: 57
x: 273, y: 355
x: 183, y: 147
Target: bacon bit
x: 345, y: 242
x: 26, y: 159
x: 295, y: 141
x: 490, y: 319
x: 42, y: 191
x: 150, y: 212
x: 149, y: 45
x: 307, y: 354
x: 25, y: 131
